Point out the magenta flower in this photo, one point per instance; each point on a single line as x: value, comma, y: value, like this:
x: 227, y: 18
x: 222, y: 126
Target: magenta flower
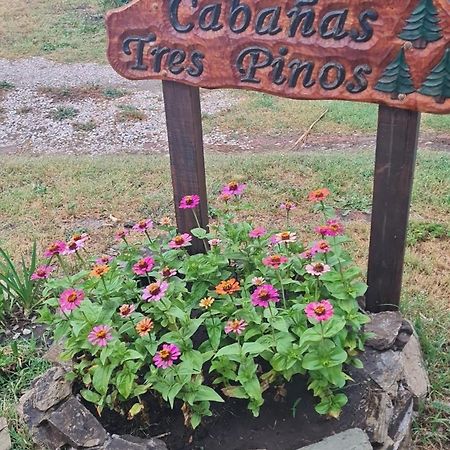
x: 189, y: 202
x: 235, y: 326
x: 335, y: 228
x: 144, y: 266
x: 321, y: 247
x: 70, y: 299
x: 155, y: 291
x: 122, y: 234
x: 57, y: 248
x: 265, y: 294
x: 100, y: 335
x: 317, y: 269
x: 143, y: 225
x: 104, y: 260
x: 182, y: 240
x: 126, y: 310
x: 288, y: 206
x: 167, y: 272
x: 80, y: 237
x: 167, y: 356
x: 308, y: 254
x: 42, y: 272
x: 320, y: 311
x: 257, y: 232
x: 233, y: 188
x: 274, y: 261
x: 73, y: 246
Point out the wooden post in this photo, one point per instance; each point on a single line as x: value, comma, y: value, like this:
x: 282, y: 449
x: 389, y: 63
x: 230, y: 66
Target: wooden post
x: 184, y: 130
x: 397, y: 138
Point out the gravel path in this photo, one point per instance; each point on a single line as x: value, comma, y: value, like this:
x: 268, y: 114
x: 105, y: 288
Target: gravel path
x: 34, y: 119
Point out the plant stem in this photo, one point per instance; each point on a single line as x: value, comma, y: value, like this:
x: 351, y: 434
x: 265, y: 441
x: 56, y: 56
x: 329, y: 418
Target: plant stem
x: 63, y: 267
x: 148, y: 237
x: 271, y: 326
x: 282, y: 288
x: 198, y: 225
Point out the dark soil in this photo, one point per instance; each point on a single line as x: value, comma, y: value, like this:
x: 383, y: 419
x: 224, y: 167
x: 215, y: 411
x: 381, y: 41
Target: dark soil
x: 232, y: 426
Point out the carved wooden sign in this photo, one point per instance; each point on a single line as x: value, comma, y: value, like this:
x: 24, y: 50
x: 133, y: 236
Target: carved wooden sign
x: 393, y: 52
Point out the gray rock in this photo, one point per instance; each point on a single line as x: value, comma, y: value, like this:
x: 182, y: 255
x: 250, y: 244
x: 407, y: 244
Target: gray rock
x: 77, y: 424
x: 353, y: 439
x: 379, y: 414
x: 414, y: 373
x: 53, y: 355
x: 51, y: 389
x: 5, y: 439
x: 127, y: 442
x: 404, y: 335
x: 385, y: 326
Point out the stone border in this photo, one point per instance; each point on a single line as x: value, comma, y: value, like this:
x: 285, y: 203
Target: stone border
x: 393, y: 374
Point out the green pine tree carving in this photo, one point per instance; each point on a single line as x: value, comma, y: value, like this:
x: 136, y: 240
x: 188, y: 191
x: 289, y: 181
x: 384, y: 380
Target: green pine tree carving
x: 396, y: 78
x: 423, y: 25
x: 437, y: 84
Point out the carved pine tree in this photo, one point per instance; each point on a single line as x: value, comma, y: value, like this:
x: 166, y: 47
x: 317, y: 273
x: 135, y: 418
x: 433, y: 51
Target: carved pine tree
x: 422, y: 27
x: 396, y: 78
x: 437, y: 84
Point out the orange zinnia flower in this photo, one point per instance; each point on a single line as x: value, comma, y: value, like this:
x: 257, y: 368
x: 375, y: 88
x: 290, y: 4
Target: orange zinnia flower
x: 144, y: 326
x: 228, y: 287
x: 318, y: 195
x: 99, y: 270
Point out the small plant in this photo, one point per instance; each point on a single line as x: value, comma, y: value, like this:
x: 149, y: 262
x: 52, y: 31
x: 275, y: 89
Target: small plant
x: 425, y: 231
x: 252, y: 312
x: 130, y: 113
x: 6, y: 86
x: 19, y: 287
x: 84, y: 126
x: 112, y: 93
x: 64, y: 113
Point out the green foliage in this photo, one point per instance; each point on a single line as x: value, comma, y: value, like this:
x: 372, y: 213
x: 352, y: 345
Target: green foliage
x: 423, y: 25
x: 110, y: 4
x: 425, y: 231
x: 64, y: 113
x: 130, y: 113
x: 112, y: 93
x: 396, y: 79
x: 6, y: 86
x: 17, y: 289
x: 195, y: 314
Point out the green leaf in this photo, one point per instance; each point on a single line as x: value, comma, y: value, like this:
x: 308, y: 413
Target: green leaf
x: 135, y: 410
x: 100, y: 380
x: 91, y: 397
x: 253, y: 348
x: 125, y: 381
x: 131, y: 355
x: 233, y: 349
x: 205, y: 393
x: 199, y: 233
x: 333, y: 326
x: 234, y: 392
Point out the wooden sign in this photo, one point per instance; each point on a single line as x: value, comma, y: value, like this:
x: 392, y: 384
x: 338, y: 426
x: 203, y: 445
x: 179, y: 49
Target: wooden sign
x: 393, y: 52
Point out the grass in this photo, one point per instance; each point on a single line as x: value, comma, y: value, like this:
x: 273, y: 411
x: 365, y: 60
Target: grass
x: 130, y: 113
x: 258, y: 113
x: 64, y: 113
x: 51, y: 197
x: 85, y: 127
x: 20, y: 364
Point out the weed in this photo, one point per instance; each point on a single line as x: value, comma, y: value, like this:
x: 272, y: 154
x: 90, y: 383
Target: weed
x: 130, y: 113
x: 84, y: 126
x: 74, y: 93
x: 64, y: 113
x: 6, y: 86
x: 113, y: 93
x: 425, y: 231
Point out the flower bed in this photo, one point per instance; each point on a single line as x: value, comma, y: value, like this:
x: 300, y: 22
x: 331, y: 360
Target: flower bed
x: 154, y: 325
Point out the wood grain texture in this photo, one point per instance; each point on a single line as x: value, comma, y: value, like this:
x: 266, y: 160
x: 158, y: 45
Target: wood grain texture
x: 407, y: 72
x: 397, y: 137
x: 184, y: 129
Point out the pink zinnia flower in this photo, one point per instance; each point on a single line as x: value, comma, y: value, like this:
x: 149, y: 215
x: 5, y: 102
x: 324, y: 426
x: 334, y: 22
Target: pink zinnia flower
x: 258, y: 281
x: 143, y: 225
x: 100, y: 335
x: 285, y: 236
x: 265, y: 294
x: 233, y: 188
x: 155, y: 291
x: 182, y: 240
x: 42, y: 272
x: 57, y: 248
x: 322, y: 230
x: 167, y: 272
x: 317, y: 269
x: 288, y: 206
x: 308, y: 254
x: 321, y: 247
x: 104, y: 259
x: 70, y: 299
x: 320, y: 311
x: 189, y: 202
x: 126, y: 310
x: 274, y: 261
x: 122, y: 234
x: 225, y: 197
x: 80, y: 237
x: 144, y: 266
x: 214, y: 242
x: 335, y: 228
x: 72, y: 247
x: 319, y: 195
x: 235, y: 326
x: 257, y: 232
x: 167, y: 356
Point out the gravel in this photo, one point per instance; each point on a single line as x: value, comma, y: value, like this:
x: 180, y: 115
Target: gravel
x: 28, y: 123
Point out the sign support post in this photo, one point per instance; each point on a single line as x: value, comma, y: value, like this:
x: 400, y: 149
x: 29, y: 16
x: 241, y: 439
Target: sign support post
x: 397, y: 137
x: 187, y: 164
